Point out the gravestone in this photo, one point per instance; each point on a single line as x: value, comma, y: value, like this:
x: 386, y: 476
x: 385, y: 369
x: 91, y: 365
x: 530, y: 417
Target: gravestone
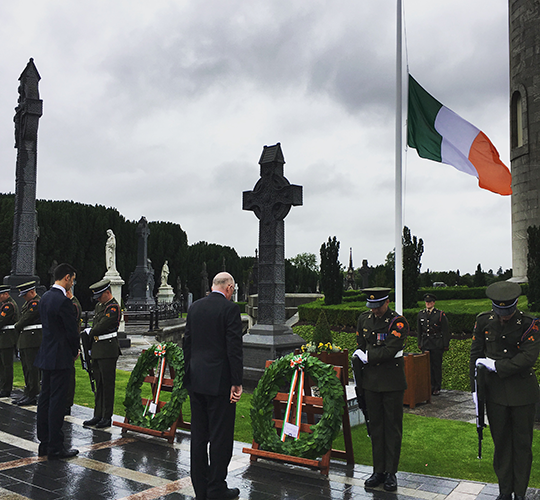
x: 141, y: 281
x: 205, y: 287
x: 271, y: 200
x: 25, y: 230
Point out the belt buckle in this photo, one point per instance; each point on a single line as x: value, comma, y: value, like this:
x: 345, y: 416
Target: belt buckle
x: 96, y: 339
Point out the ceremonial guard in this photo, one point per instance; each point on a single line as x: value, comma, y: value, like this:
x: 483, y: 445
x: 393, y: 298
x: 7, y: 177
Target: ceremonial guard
x: 433, y: 337
x: 9, y: 314
x: 72, y: 382
x: 104, y: 352
x: 380, y: 336
x: 506, y: 342
x: 28, y: 329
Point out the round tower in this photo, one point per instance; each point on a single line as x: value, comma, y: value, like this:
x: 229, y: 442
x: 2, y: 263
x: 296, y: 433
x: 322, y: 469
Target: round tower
x: 524, y: 34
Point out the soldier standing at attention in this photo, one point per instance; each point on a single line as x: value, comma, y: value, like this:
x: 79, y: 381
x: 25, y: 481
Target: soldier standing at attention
x: 380, y: 336
x: 9, y: 314
x: 72, y: 382
x: 507, y: 342
x: 433, y: 337
x: 28, y: 329
x: 105, y: 352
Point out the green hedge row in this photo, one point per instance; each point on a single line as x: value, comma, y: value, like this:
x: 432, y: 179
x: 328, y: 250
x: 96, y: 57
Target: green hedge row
x: 346, y: 315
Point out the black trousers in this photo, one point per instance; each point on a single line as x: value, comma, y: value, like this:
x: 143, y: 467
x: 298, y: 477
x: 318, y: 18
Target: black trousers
x: 6, y: 369
x: 212, y: 423
x: 386, y: 426
x: 435, y: 364
x: 31, y: 373
x: 512, y: 432
x: 104, y: 371
x: 51, y: 407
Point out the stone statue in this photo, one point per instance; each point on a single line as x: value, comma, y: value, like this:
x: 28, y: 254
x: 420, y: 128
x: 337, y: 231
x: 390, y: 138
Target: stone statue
x: 165, y: 273
x: 110, y: 252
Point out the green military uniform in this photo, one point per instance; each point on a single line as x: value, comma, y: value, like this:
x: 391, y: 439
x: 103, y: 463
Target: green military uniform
x: 104, y: 353
x: 9, y: 314
x: 28, y: 329
x: 507, y: 342
x: 433, y: 337
x: 383, y: 379
x: 71, y: 388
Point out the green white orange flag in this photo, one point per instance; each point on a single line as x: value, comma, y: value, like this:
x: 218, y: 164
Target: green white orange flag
x: 439, y: 134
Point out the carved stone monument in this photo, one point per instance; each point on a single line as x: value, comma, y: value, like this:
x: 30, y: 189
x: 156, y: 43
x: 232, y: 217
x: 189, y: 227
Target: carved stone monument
x: 110, y: 262
x: 271, y: 200
x: 165, y: 291
x: 205, y: 287
x: 350, y: 282
x: 365, y: 273
x: 141, y: 281
x: 25, y: 229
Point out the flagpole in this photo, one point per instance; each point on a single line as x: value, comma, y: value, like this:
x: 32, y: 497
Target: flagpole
x: 398, y: 263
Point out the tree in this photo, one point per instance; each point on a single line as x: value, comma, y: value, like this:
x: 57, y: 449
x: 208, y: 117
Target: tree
x: 331, y: 280
x: 302, y: 274
x: 533, y: 267
x: 413, y: 248
x: 479, y: 276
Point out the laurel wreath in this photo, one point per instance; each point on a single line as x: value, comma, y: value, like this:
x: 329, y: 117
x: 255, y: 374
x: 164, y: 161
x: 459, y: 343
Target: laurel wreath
x: 323, y: 433
x: 148, y: 360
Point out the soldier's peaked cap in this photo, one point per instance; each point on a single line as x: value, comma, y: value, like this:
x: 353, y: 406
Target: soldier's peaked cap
x: 5, y: 288
x: 26, y: 287
x: 504, y: 296
x: 429, y: 297
x: 99, y: 287
x: 376, y: 297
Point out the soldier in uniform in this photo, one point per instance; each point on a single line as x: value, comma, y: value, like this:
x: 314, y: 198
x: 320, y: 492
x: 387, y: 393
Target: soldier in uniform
x: 72, y: 381
x: 28, y: 329
x: 9, y: 314
x: 380, y: 337
x: 433, y: 337
x: 105, y: 352
x: 506, y: 342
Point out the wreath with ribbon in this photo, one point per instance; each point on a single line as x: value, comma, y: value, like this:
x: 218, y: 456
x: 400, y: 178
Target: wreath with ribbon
x: 137, y: 414
x: 307, y: 445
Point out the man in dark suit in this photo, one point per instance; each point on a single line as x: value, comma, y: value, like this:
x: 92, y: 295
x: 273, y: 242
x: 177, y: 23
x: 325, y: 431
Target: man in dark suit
x: 59, y: 347
x: 506, y: 343
x: 213, y: 377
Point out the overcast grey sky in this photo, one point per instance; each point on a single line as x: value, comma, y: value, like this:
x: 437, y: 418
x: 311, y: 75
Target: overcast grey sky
x: 162, y: 109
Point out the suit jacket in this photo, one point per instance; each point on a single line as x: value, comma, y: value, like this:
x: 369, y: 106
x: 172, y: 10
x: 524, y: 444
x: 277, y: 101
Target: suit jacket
x: 383, y: 338
x: 60, y: 331
x: 514, y: 346
x: 213, y: 346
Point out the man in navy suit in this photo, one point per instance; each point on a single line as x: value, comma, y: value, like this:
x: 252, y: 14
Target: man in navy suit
x: 213, y: 377
x: 59, y: 347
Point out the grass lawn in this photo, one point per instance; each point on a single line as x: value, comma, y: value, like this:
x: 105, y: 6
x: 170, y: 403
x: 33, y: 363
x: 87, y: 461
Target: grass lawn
x: 431, y: 446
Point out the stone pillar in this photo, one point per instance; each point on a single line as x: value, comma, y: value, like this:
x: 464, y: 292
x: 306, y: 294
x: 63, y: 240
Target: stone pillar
x: 524, y: 34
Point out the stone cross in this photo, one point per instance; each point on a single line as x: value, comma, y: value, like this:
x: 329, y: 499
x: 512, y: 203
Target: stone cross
x: 271, y: 201
x: 25, y: 230
x: 141, y: 281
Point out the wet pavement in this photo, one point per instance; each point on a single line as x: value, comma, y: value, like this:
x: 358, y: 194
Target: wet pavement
x: 129, y: 466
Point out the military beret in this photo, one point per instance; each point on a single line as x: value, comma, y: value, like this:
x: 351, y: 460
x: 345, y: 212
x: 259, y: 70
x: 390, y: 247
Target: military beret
x: 429, y: 297
x: 504, y: 296
x: 5, y: 288
x: 26, y: 287
x: 376, y: 297
x: 99, y: 287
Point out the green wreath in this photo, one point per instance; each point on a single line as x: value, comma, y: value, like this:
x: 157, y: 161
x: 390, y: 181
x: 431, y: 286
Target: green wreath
x: 323, y: 433
x: 162, y: 420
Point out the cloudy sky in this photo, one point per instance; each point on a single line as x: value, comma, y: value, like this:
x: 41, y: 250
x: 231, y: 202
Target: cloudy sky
x: 162, y: 109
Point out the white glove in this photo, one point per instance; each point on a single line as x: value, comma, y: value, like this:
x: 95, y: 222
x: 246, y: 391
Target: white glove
x: 488, y: 363
x: 361, y: 355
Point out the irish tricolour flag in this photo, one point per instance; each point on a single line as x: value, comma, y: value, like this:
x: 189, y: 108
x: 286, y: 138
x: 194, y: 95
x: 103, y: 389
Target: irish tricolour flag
x: 437, y: 133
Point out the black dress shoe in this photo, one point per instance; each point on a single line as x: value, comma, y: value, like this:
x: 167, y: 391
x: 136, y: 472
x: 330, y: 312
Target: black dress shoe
x: 18, y: 398
x: 104, y: 422
x: 26, y: 401
x: 67, y: 411
x: 504, y: 496
x: 42, y: 450
x: 56, y: 455
x: 374, y: 480
x: 519, y: 497
x: 5, y: 394
x: 92, y: 421
x: 228, y: 494
x: 390, y: 482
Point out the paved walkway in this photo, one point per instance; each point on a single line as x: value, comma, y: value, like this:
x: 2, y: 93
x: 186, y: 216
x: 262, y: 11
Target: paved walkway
x: 131, y: 466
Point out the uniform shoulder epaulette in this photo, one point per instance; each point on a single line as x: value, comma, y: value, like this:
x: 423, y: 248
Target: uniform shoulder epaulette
x: 482, y: 314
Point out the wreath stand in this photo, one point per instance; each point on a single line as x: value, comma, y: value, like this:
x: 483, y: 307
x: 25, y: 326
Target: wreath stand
x: 311, y: 406
x: 166, y: 386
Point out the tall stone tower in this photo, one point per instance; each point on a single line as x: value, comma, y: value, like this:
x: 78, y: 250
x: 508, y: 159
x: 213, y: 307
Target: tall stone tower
x: 524, y: 18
